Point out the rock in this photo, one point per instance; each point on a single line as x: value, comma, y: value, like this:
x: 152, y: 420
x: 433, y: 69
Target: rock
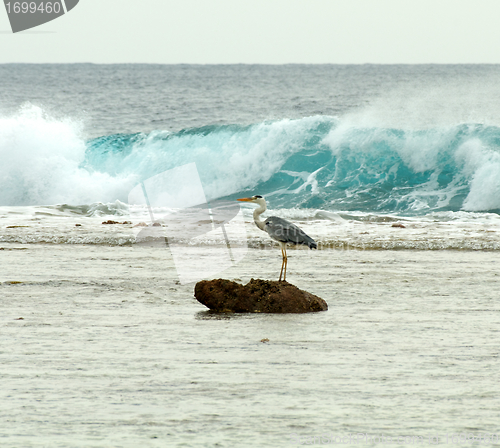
x: 257, y: 296
x: 401, y: 226
x: 109, y: 221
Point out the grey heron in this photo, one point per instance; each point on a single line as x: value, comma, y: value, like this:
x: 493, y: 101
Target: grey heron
x: 280, y: 230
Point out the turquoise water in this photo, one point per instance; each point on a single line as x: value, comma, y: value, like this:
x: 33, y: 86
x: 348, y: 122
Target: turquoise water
x: 318, y: 162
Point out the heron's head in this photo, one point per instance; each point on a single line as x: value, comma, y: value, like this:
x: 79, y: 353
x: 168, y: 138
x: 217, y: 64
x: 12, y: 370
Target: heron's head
x: 257, y: 199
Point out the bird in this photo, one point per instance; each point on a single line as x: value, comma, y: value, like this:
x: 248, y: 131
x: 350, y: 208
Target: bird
x: 280, y: 230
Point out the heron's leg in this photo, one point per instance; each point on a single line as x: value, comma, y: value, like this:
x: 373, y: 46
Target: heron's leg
x: 282, y: 263
x: 286, y: 262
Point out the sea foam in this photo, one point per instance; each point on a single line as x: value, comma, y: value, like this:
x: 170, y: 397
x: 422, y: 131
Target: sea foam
x: 41, y: 163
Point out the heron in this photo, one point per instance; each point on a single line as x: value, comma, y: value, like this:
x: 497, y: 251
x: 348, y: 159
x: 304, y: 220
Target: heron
x: 280, y: 230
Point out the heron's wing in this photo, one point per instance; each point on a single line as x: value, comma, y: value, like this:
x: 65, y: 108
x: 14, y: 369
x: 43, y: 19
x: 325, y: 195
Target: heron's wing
x: 280, y: 229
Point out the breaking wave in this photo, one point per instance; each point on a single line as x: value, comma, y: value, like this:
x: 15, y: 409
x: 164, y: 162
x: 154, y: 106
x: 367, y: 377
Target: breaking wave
x: 314, y: 162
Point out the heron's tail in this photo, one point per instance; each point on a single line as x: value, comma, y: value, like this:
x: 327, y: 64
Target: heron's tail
x: 312, y: 245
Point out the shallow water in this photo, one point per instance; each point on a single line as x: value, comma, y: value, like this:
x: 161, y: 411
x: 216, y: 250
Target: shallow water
x: 112, y: 351
x: 342, y: 230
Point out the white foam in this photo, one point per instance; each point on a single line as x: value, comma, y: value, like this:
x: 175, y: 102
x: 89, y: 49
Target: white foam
x: 251, y: 157
x: 483, y: 166
x: 40, y: 163
x: 342, y: 230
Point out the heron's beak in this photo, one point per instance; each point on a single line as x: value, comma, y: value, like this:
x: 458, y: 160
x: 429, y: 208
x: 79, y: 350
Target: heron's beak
x: 245, y: 199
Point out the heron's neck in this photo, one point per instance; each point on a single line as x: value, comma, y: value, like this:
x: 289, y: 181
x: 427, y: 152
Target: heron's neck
x: 256, y: 216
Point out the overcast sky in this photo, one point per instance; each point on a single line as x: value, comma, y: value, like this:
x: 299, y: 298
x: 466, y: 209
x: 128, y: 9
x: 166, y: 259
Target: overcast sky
x: 263, y: 31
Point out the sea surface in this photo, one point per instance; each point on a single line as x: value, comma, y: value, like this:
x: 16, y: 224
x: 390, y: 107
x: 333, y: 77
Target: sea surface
x: 393, y: 169
x: 362, y: 142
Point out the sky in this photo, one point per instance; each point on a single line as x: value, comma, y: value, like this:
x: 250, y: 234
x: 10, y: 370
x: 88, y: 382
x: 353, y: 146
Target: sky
x: 262, y: 32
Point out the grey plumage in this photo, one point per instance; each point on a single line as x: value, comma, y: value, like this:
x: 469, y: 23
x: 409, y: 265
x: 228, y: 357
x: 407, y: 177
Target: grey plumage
x: 281, y: 230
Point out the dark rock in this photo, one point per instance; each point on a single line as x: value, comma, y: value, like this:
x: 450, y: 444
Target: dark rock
x: 257, y: 296
x: 401, y: 226
x: 109, y: 221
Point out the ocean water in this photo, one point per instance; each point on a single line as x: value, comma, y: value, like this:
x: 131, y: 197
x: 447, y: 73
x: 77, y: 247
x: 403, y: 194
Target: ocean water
x: 393, y: 170
x: 409, y: 142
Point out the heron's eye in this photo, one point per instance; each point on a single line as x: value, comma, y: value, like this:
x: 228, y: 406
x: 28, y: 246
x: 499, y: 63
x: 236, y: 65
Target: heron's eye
x: 257, y: 196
